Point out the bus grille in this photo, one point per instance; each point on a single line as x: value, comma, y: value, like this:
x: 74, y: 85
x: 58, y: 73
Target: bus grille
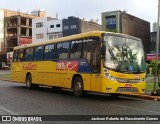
x: 121, y: 80
x: 127, y: 89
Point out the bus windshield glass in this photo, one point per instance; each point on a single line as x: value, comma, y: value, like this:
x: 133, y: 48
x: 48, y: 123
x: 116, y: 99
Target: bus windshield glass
x: 124, y: 54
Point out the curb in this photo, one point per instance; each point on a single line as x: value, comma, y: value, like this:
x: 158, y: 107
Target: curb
x: 155, y: 98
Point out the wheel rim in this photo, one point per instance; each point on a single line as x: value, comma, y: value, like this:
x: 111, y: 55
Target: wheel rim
x: 78, y: 86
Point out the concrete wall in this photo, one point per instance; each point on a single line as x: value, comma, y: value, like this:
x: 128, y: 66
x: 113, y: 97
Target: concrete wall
x: 134, y: 26
x: 89, y: 26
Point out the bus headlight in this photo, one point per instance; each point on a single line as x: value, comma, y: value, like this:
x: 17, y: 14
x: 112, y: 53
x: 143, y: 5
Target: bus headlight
x: 110, y: 77
x: 141, y: 80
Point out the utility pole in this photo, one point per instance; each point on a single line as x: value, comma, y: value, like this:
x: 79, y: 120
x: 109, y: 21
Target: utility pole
x: 157, y: 49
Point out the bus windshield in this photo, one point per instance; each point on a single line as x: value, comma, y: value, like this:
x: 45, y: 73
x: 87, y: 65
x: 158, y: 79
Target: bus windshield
x: 124, y: 54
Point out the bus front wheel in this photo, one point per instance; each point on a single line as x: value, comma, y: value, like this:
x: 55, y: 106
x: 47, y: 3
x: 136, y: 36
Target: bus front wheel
x: 29, y: 84
x: 78, y: 87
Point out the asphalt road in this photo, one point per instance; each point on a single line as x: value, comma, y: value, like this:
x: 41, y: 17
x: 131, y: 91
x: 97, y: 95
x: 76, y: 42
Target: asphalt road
x: 15, y: 99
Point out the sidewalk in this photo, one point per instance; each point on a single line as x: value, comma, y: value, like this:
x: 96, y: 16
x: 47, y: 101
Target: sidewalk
x: 5, y: 76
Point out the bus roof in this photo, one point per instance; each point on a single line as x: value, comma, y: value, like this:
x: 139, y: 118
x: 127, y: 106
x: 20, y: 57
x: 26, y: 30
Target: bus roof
x: 71, y: 37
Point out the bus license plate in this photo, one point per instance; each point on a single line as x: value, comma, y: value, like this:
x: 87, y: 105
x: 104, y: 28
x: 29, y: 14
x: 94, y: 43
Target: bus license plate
x: 128, y: 85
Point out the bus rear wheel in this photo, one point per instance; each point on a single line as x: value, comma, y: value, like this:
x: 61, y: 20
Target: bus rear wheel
x: 29, y: 84
x: 78, y: 87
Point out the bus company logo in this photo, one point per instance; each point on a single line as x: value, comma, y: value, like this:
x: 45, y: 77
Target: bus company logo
x: 30, y: 66
x: 121, y: 75
x: 71, y: 65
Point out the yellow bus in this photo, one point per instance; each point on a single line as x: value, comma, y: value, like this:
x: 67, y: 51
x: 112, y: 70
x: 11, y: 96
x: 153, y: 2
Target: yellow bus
x: 97, y: 61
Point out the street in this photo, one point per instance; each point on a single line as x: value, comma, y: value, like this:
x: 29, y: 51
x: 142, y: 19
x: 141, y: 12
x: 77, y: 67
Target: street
x: 17, y: 100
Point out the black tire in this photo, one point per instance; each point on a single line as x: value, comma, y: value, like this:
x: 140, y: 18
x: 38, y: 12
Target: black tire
x: 29, y: 84
x: 78, y: 87
x: 114, y: 95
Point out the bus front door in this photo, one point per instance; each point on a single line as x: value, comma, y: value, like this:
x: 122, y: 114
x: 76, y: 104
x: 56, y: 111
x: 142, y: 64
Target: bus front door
x: 95, y: 65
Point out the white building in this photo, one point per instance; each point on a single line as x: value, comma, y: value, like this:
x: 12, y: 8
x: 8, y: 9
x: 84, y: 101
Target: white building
x: 46, y: 29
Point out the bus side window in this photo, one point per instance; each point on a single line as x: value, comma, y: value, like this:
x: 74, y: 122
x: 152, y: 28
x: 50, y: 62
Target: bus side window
x: 29, y: 54
x: 62, y: 50
x: 38, y: 53
x: 21, y: 54
x: 15, y: 54
x: 87, y: 52
x: 58, y: 50
x: 49, y: 52
x: 76, y: 48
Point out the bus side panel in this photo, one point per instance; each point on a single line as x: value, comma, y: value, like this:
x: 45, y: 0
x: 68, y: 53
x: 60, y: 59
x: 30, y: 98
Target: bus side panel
x: 86, y: 81
x: 54, y: 79
x: 43, y: 78
x: 16, y: 74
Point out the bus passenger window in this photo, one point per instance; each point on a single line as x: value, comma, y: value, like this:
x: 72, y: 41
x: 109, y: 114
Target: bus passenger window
x: 38, y: 53
x: 49, y: 53
x: 76, y: 48
x: 29, y: 54
x: 62, y: 50
x: 15, y: 55
x: 21, y: 55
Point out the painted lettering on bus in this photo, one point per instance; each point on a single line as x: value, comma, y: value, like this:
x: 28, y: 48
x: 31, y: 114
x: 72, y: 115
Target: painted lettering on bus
x: 121, y: 75
x: 30, y: 66
x: 69, y: 65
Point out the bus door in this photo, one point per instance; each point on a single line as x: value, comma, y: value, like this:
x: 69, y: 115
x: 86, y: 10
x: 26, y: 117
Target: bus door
x: 95, y: 63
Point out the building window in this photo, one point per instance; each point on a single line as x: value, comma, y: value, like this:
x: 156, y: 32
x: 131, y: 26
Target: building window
x: 50, y: 37
x: 55, y: 36
x: 60, y: 35
x: 39, y: 36
x: 73, y: 26
x: 66, y: 27
x: 40, y: 24
x: 111, y: 22
x: 58, y: 25
x: 51, y: 26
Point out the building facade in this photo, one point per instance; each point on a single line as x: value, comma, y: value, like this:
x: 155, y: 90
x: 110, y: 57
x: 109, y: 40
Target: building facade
x: 121, y: 22
x: 46, y: 29
x: 15, y: 29
x: 74, y: 25
x: 71, y: 26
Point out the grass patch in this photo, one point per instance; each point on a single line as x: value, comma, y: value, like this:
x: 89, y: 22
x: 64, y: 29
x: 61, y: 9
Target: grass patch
x: 150, y: 86
x: 5, y: 77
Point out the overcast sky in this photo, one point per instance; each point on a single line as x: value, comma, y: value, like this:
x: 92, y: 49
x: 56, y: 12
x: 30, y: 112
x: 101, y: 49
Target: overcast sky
x: 88, y: 9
